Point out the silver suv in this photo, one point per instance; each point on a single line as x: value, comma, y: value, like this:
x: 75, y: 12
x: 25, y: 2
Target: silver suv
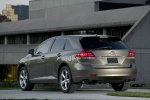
x: 74, y: 60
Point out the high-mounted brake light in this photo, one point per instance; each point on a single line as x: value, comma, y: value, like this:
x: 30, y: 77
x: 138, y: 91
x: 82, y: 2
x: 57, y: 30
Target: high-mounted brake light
x: 131, y: 54
x: 85, y: 54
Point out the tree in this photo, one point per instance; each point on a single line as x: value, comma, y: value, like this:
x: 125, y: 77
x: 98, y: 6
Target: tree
x: 3, y: 18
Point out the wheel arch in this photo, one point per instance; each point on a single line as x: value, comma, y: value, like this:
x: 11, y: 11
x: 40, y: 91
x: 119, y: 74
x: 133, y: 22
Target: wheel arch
x: 60, y: 67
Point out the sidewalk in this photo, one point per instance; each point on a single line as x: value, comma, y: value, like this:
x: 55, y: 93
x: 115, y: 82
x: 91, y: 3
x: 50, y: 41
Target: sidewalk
x: 139, y: 90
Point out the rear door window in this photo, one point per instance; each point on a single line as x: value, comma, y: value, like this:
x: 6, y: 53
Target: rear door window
x: 58, y: 45
x: 102, y: 43
x: 44, y: 47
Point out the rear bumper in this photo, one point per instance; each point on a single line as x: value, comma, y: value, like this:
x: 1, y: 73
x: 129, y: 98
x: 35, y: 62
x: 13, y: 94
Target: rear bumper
x: 116, y: 75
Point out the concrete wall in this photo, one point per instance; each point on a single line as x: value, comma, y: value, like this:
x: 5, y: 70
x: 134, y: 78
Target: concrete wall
x: 43, y: 4
x: 138, y: 39
x: 48, y: 8
x: 11, y: 54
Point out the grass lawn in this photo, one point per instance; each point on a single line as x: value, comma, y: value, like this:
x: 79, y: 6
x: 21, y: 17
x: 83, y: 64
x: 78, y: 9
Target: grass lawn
x: 10, y: 86
x: 130, y: 94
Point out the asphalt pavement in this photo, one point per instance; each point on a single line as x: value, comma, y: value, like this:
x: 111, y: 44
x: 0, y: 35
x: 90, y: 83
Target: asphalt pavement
x: 83, y: 94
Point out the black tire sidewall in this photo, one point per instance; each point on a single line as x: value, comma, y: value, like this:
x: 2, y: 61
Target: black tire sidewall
x: 116, y: 86
x: 123, y: 86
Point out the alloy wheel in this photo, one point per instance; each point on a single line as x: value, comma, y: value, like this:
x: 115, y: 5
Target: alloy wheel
x: 65, y: 79
x: 23, y: 78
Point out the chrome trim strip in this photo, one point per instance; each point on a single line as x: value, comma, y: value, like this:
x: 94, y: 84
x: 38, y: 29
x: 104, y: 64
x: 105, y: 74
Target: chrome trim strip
x: 44, y: 77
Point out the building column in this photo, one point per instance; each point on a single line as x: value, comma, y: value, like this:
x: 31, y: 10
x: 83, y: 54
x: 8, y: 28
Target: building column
x: 62, y: 33
x: 28, y: 39
x: 5, y: 40
x: 104, y: 31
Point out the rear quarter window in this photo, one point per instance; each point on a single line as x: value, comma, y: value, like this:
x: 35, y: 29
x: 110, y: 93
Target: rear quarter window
x: 68, y: 46
x: 102, y: 43
x: 58, y: 45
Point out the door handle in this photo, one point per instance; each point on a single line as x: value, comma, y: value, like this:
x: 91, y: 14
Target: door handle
x: 43, y: 57
x: 59, y: 55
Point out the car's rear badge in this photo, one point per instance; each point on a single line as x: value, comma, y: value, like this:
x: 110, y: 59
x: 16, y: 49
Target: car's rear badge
x: 112, y: 53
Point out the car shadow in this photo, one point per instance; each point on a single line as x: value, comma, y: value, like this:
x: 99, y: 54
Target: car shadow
x: 77, y: 91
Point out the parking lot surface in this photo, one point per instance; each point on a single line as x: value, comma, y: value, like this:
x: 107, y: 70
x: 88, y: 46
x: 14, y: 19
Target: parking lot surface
x: 84, y: 94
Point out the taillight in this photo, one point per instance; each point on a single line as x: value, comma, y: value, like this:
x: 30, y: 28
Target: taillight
x: 131, y: 54
x: 85, y: 54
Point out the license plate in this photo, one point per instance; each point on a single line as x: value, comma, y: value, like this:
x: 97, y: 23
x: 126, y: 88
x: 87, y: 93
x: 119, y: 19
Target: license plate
x: 112, y: 60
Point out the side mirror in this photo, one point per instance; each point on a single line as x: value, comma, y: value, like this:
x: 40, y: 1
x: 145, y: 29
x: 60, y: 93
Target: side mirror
x: 31, y: 51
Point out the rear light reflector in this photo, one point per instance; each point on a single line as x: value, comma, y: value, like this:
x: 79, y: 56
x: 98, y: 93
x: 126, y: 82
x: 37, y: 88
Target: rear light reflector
x: 85, y: 54
x: 131, y: 54
x: 91, y: 75
x: 132, y: 75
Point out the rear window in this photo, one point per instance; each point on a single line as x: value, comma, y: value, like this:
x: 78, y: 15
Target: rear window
x: 102, y: 43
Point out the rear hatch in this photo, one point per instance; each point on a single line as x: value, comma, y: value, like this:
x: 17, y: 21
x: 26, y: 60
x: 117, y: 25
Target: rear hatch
x: 108, y: 52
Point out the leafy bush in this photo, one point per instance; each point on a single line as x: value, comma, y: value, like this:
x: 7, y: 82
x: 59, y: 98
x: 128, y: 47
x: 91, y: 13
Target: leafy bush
x: 7, y: 85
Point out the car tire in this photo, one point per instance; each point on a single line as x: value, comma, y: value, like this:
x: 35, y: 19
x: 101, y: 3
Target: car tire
x: 65, y: 81
x: 121, y: 86
x: 23, y: 80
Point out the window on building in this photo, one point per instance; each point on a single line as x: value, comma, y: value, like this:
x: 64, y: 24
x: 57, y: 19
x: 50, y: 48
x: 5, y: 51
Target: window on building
x: 17, y: 39
x: 87, y: 31
x: 95, y: 31
x: 1, y: 39
x: 40, y: 37
x: 72, y: 32
x: 8, y: 13
x: 100, y: 6
x: 118, y: 31
x: 147, y: 2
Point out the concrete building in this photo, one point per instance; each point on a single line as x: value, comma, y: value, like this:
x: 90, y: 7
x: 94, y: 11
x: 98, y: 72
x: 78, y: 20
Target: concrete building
x: 129, y: 21
x: 45, y: 8
x: 10, y: 13
x: 15, y: 13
